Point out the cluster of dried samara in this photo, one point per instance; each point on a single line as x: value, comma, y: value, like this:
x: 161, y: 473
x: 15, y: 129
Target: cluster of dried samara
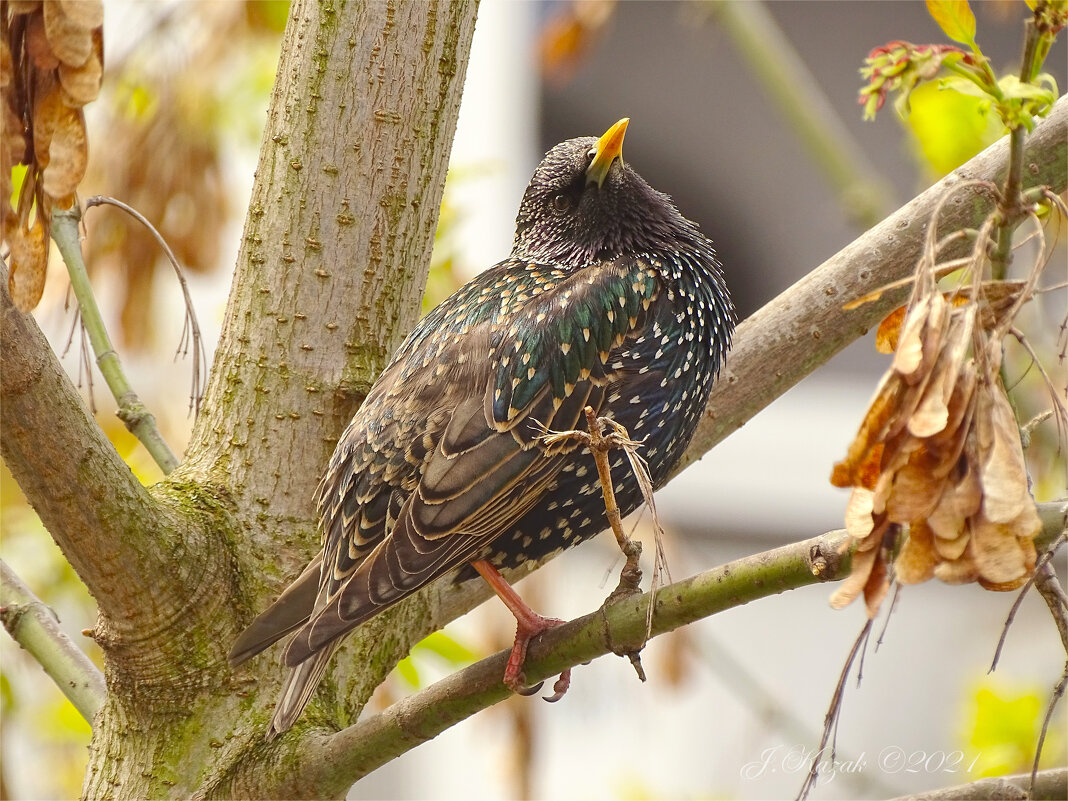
x: 939, y: 451
x: 51, y: 63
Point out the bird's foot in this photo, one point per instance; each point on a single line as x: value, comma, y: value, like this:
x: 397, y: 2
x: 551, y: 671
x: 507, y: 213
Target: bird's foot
x: 527, y: 628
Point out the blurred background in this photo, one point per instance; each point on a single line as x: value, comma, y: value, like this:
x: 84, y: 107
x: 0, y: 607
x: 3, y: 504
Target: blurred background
x: 734, y: 704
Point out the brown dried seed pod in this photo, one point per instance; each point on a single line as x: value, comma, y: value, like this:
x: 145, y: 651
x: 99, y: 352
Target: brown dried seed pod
x: 909, y: 354
x: 85, y: 13
x: 876, y: 587
x: 960, y: 500
x: 916, y: 562
x: 959, y: 571
x: 37, y: 45
x: 1002, y: 470
x: 999, y: 555
x: 69, y: 156
x: 860, y: 570
x: 871, y: 432
x: 81, y: 85
x: 950, y: 550
x: 28, y: 262
x: 889, y: 330
x: 945, y: 447
x: 858, y: 514
x: 12, y: 141
x: 914, y: 496
x: 71, y: 41
x: 23, y: 6
x: 932, y: 412
x: 7, y: 65
x: 48, y: 109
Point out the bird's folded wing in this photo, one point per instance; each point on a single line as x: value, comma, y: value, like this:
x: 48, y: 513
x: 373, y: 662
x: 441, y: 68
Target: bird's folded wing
x: 489, y: 466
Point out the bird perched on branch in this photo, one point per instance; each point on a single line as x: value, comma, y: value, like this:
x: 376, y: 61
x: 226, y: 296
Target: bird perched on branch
x: 610, y: 299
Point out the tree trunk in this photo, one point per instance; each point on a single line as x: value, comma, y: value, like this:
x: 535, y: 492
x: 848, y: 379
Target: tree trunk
x: 334, y: 256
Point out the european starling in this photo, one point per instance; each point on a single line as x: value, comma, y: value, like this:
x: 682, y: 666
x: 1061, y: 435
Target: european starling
x: 610, y: 299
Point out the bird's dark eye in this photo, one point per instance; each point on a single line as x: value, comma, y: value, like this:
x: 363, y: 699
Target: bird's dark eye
x: 561, y: 203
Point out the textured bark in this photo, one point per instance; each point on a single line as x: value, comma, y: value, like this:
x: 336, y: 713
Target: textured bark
x: 117, y: 535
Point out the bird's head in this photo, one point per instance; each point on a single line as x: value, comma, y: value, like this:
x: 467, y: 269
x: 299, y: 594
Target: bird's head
x: 585, y: 204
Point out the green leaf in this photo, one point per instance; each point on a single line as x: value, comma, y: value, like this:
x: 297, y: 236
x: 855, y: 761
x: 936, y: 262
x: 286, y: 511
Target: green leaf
x: 963, y: 86
x: 1012, y: 87
x: 955, y: 18
x: 950, y: 127
x: 407, y: 671
x: 449, y: 649
x: 7, y: 697
x: 1004, y: 727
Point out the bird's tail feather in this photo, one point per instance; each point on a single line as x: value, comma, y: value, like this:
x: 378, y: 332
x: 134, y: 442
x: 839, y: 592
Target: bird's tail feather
x: 298, y: 689
x: 291, y: 610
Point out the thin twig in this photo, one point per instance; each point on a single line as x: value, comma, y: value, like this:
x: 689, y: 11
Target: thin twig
x: 1058, y: 410
x: 190, y: 327
x: 140, y: 422
x: 34, y: 626
x: 1058, y: 693
x: 830, y: 722
x: 1042, y: 562
x: 1053, y: 594
x: 1010, y: 201
x: 889, y: 614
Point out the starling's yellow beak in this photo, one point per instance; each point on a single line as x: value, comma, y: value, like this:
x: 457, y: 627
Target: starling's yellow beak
x: 609, y: 148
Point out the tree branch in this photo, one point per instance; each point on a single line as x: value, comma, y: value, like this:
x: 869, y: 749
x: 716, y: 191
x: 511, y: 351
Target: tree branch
x: 806, y: 325
x: 1049, y: 785
x: 34, y: 626
x: 88, y: 499
x: 132, y: 411
x: 620, y: 626
x: 150, y: 559
x: 331, y: 764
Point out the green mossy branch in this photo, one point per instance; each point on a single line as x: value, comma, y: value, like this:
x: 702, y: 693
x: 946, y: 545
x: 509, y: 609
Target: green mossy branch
x: 132, y: 411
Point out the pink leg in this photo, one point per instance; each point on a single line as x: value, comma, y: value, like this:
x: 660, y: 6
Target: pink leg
x: 529, y: 624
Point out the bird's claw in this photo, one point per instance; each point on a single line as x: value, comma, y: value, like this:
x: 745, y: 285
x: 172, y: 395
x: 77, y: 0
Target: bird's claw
x: 560, y: 688
x: 519, y: 689
x: 526, y: 630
